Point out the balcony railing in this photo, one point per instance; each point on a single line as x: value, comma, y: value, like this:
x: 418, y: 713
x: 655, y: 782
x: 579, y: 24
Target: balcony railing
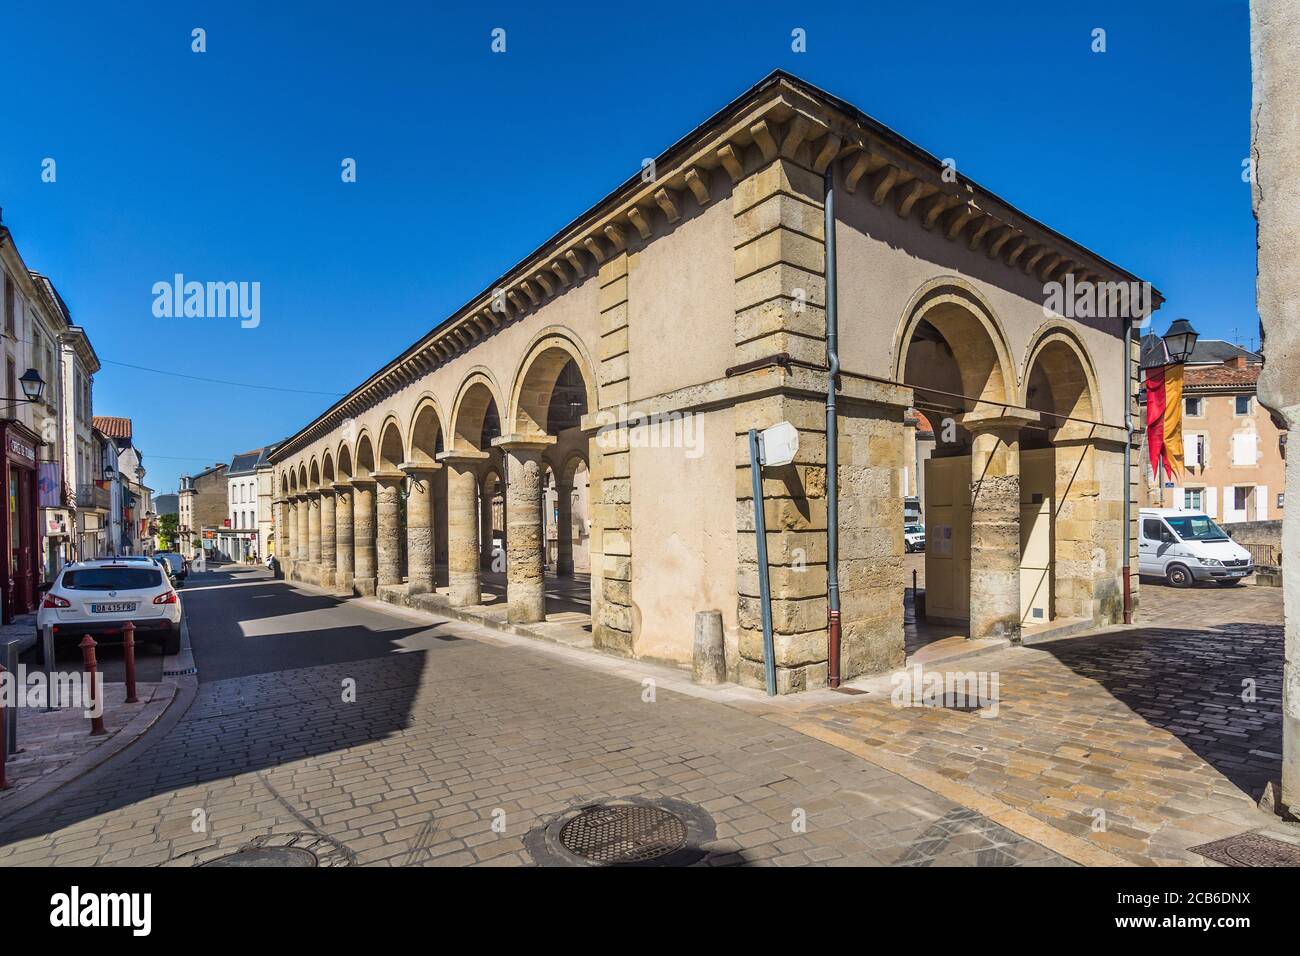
x: 92, y: 496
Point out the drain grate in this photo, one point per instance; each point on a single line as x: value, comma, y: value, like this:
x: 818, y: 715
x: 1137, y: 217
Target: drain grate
x: 183, y: 672
x: 1250, y: 849
x: 624, y: 831
x: 273, y: 850
x: 623, y: 834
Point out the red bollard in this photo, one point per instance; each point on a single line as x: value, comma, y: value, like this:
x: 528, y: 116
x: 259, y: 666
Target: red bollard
x: 88, y: 659
x: 4, y: 753
x: 128, y: 650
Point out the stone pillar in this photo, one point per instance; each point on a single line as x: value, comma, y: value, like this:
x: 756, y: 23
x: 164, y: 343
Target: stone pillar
x: 283, y: 536
x: 994, y: 524
x: 525, y: 568
x: 611, y: 470
x: 486, y: 494
x: 780, y: 306
x: 464, y: 585
x: 300, y: 536
x: 363, y: 536
x: 419, y: 528
x: 327, y: 538
x: 344, y: 555
x: 1275, y: 192
x: 564, y: 529
x: 313, y: 535
x: 388, y: 532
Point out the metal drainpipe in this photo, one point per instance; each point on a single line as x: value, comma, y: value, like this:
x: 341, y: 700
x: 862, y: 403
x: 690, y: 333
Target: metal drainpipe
x: 832, y: 442
x: 1128, y: 465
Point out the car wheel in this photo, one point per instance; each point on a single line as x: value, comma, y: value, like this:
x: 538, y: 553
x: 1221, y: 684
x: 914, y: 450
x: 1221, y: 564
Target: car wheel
x: 172, y: 642
x: 1178, y: 576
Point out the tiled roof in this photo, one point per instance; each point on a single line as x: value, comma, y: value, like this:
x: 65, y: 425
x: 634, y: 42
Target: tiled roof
x: 1220, y: 376
x: 113, y: 427
x: 247, y: 462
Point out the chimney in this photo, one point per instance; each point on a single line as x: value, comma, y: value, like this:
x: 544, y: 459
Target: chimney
x: 1237, y: 361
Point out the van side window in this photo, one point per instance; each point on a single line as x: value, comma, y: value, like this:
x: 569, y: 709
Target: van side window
x: 1151, y: 528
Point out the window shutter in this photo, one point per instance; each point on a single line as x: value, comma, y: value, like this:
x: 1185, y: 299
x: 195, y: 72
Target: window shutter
x: 1210, y: 504
x: 1243, y: 449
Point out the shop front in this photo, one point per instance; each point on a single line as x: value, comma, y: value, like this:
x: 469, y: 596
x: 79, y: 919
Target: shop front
x: 19, y: 519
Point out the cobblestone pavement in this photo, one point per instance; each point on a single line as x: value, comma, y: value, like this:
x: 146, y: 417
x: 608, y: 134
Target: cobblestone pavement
x: 453, y: 728
x: 1142, y: 741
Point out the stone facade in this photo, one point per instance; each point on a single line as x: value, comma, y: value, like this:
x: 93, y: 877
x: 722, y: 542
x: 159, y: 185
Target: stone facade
x: 689, y: 307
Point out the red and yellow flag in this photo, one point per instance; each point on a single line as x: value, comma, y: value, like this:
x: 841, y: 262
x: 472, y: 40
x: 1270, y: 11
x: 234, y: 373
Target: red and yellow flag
x: 1165, y: 420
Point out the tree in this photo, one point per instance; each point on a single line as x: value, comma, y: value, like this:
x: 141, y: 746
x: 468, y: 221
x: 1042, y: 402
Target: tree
x: 167, y: 532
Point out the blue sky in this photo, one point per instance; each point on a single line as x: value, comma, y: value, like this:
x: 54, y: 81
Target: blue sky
x: 225, y: 165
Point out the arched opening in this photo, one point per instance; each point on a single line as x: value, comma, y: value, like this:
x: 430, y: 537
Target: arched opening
x: 345, y: 463
x: 955, y: 357
x: 552, y: 393
x: 1059, y: 517
x: 426, y: 444
x: 390, y: 507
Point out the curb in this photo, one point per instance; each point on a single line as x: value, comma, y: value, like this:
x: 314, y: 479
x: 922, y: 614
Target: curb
x: 156, y: 719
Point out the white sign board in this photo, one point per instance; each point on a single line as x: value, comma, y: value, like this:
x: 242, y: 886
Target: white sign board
x: 780, y: 444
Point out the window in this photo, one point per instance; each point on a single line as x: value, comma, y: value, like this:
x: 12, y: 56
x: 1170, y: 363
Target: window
x: 111, y: 579
x: 1243, y: 404
x: 1192, y: 406
x: 1241, y: 497
x: 1194, y: 449
x: 1244, y: 447
x: 11, y: 379
x: 1193, y: 499
x: 10, y: 305
x: 1152, y: 528
x: 1196, y: 528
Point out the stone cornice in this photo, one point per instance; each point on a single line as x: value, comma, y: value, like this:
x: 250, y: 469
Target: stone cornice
x: 782, y: 116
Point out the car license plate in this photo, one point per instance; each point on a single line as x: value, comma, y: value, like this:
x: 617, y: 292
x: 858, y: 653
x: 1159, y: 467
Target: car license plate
x: 116, y: 608
x: 1237, y: 574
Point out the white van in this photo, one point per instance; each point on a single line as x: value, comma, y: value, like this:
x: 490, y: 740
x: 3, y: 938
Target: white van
x: 1187, y: 546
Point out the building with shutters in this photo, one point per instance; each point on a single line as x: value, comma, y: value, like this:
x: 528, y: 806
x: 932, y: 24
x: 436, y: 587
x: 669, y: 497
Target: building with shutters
x: 1233, y: 453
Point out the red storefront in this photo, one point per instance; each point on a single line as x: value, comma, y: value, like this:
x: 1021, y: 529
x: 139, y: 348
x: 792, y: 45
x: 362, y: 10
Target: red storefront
x: 20, y: 570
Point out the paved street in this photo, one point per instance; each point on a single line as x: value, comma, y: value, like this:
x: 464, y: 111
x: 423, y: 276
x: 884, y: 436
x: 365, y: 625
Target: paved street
x: 454, y: 728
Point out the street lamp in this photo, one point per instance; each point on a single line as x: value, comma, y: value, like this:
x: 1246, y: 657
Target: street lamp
x: 1180, y: 340
x: 32, y: 384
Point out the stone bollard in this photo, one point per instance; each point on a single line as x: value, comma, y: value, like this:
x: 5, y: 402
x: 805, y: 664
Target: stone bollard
x: 709, y: 662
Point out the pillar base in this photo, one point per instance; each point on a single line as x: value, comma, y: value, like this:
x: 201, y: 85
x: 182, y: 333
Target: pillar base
x: 564, y: 568
x: 327, y: 579
x: 464, y: 592
x: 342, y: 583
x: 364, y: 587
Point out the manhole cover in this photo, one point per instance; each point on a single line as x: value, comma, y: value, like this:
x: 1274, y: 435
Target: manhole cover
x: 1250, y: 849
x: 623, y: 834
x: 629, y: 831
x: 267, y: 856
x: 274, y: 850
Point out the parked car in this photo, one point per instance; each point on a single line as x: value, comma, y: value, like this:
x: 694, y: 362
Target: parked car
x: 1184, y: 547
x: 913, y: 538
x: 98, y: 597
x: 176, y: 562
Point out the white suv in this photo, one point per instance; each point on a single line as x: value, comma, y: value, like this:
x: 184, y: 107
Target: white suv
x: 98, y: 597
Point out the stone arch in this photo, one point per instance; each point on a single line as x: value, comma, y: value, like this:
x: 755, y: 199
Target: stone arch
x: 327, y: 467
x: 569, y: 467
x: 344, y: 459
x: 476, y: 400
x: 976, y: 342
x: 302, y: 477
x: 364, y: 462
x: 1059, y: 377
x: 313, y: 475
x: 427, y: 436
x: 289, y: 481
x: 534, y: 383
x: 392, y: 447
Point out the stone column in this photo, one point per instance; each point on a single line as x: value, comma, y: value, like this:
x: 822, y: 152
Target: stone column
x: 464, y: 585
x: 388, y: 531
x: 525, y: 567
x: 994, y: 524
x: 313, y: 535
x: 486, y: 494
x: 328, y: 545
x: 363, y: 536
x: 564, y: 530
x: 1275, y: 194
x: 300, y: 537
x: 283, y: 542
x: 344, y: 555
x: 419, y: 527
